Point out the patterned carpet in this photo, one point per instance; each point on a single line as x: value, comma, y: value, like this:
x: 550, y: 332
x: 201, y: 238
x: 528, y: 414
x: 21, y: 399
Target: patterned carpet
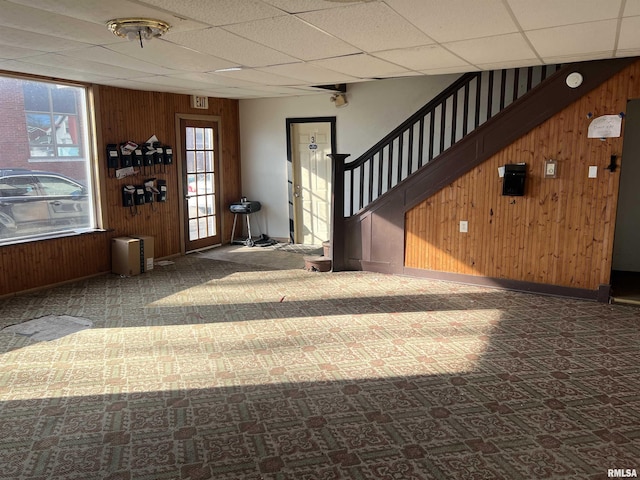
x: 207, y: 369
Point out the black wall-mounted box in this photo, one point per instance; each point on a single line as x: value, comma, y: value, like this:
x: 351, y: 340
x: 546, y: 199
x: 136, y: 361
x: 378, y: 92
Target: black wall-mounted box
x: 513, y: 181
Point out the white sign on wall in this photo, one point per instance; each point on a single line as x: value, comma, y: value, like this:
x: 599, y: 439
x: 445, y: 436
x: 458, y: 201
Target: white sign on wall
x: 606, y: 126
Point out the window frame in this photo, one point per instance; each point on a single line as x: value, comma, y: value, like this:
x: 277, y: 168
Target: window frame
x: 85, y: 114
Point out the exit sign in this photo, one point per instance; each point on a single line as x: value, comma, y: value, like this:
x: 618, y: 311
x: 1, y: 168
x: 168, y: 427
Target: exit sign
x: 199, y: 102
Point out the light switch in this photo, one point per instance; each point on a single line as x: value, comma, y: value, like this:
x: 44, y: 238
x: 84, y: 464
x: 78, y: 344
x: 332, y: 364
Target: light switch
x: 593, y: 171
x: 464, y: 226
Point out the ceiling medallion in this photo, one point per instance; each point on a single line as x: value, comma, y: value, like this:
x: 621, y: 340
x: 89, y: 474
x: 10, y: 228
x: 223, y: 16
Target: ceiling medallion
x: 138, y: 28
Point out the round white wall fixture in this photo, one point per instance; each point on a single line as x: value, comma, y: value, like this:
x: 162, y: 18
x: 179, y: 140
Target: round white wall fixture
x: 574, y: 80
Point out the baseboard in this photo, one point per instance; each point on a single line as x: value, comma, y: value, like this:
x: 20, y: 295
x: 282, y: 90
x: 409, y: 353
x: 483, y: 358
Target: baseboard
x: 600, y: 295
x: 52, y: 285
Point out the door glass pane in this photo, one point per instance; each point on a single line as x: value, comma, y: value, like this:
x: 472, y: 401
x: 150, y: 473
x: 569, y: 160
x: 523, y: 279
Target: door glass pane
x: 199, y: 138
x: 191, y: 162
x: 209, y: 161
x: 200, y: 162
x: 202, y: 226
x: 189, y: 137
x: 212, y: 225
x: 193, y: 229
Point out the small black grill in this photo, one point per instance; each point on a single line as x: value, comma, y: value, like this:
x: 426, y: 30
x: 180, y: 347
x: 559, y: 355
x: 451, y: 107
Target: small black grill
x: 244, y: 207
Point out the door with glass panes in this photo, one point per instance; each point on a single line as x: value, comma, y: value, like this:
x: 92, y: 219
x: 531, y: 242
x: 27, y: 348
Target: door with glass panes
x: 200, y: 181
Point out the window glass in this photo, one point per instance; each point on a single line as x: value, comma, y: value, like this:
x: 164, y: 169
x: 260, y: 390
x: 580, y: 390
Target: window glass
x: 44, y: 137
x: 64, y: 100
x: 36, y: 96
x: 18, y: 186
x: 53, y: 123
x: 59, y: 186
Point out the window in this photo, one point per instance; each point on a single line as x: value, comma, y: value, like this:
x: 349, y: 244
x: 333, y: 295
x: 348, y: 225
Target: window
x: 45, y: 168
x: 52, y: 120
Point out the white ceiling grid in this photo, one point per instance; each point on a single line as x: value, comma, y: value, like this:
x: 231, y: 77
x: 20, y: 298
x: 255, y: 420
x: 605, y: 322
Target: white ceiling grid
x: 284, y: 47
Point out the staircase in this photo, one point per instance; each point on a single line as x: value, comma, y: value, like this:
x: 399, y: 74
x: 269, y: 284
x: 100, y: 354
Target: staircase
x: 474, y: 118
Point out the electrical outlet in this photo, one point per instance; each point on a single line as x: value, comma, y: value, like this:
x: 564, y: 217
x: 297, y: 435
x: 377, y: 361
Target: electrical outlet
x: 464, y: 226
x: 593, y: 171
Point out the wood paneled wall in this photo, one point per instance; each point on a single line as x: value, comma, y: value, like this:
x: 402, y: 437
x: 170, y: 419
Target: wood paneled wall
x: 560, y: 232
x: 126, y: 115
x: 31, y: 265
x: 137, y: 115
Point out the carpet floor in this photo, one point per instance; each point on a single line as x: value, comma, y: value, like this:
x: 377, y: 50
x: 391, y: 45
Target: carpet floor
x: 211, y: 369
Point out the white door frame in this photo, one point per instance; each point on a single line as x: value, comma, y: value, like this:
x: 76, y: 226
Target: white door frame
x: 290, y: 177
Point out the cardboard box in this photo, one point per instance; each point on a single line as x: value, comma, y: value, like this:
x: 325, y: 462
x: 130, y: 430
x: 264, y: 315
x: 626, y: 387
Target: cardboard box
x: 131, y: 255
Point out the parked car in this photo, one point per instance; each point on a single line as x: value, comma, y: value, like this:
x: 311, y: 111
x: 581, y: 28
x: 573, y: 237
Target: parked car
x: 33, y: 202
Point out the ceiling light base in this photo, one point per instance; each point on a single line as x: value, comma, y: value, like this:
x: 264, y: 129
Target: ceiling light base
x: 138, y: 28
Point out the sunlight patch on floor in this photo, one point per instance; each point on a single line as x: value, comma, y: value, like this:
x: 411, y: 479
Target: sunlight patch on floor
x: 211, y: 355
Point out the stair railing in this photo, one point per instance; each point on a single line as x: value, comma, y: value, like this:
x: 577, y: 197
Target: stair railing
x: 461, y: 108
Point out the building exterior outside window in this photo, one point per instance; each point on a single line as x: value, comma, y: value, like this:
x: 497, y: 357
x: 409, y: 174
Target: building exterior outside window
x: 45, y: 162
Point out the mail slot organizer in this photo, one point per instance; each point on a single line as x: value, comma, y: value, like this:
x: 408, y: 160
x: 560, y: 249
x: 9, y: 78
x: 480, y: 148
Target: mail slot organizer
x: 513, y: 180
x: 146, y: 156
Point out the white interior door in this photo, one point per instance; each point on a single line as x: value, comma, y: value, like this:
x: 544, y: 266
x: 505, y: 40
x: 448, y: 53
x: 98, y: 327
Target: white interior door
x: 311, y: 143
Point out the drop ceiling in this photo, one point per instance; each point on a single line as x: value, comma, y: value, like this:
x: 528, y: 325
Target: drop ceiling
x: 269, y: 48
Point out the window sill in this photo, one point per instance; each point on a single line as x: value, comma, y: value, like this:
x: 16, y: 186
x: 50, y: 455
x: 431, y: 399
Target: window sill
x: 49, y: 236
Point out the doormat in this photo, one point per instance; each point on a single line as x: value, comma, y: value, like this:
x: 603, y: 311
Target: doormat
x: 49, y: 327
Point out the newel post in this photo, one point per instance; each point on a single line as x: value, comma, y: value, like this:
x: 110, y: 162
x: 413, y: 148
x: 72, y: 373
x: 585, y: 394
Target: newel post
x: 338, y: 247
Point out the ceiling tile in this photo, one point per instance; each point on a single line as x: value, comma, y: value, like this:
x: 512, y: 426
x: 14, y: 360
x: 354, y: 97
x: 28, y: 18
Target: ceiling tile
x: 552, y: 13
x: 307, y: 73
x: 213, y: 79
x: 502, y: 48
x: 23, y: 66
x: 294, y: 37
x: 47, y: 23
x: 109, y: 57
x: 574, y: 39
x: 576, y: 57
x: 419, y: 58
x: 456, y: 19
x: 9, y: 53
x: 220, y: 12
x: 61, y: 61
x: 361, y: 66
x: 631, y: 8
x: 527, y: 62
x: 257, y: 76
x: 447, y: 71
x: 632, y: 52
x: 100, y: 11
x: 36, y: 41
x: 222, y: 44
x: 298, y: 6
x: 168, y: 82
x: 368, y: 26
x: 148, y: 86
x: 629, y: 37
x: 160, y: 52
